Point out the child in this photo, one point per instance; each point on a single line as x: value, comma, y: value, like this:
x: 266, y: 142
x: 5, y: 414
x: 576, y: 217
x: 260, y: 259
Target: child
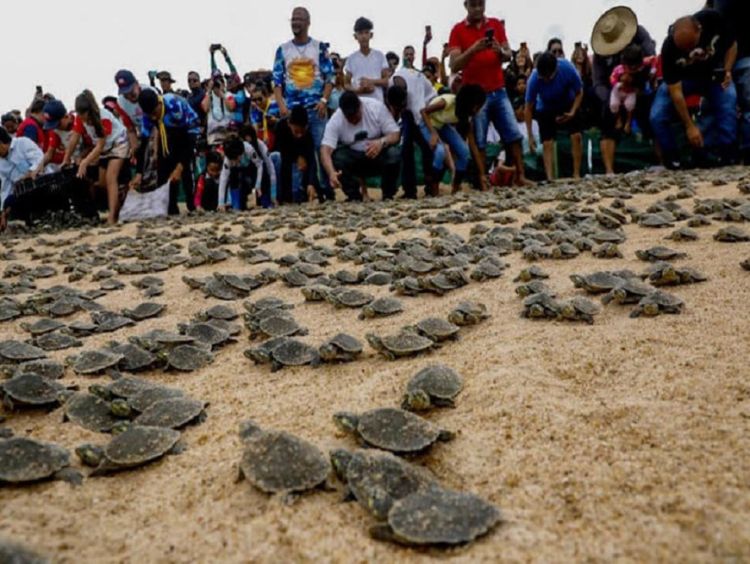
x: 366, y: 70
x: 111, y: 147
x: 246, y: 164
x: 207, y: 191
x: 629, y: 79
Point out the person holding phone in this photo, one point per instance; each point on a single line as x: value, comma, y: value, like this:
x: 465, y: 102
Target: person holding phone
x: 697, y: 58
x: 478, y: 48
x: 360, y: 141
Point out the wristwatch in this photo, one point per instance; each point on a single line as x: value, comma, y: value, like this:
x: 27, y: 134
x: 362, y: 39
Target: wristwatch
x: 324, y: 100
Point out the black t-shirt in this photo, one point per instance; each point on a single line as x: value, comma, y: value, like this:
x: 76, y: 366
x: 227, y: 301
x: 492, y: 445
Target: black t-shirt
x: 700, y: 64
x: 737, y: 15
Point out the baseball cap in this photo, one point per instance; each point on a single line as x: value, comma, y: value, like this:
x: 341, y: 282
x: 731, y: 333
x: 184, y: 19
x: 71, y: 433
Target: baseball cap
x: 54, y: 111
x: 125, y: 81
x: 165, y: 75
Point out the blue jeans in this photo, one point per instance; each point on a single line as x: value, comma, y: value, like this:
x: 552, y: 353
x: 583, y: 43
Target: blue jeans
x: 459, y: 147
x: 438, y: 155
x: 317, y: 129
x: 299, y: 193
x: 742, y: 82
x: 722, y: 106
x: 499, y: 111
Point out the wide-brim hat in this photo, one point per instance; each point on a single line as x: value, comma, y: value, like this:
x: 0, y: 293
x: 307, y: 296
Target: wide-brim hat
x: 614, y: 31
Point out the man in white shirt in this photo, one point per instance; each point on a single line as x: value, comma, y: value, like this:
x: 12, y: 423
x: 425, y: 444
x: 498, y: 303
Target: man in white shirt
x: 366, y: 71
x: 360, y: 141
x: 20, y: 158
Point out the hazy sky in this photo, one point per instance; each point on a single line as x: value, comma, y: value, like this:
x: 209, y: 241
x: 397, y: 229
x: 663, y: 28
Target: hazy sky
x: 69, y: 45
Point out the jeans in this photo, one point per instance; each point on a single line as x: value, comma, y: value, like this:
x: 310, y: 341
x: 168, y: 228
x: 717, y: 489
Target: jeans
x: 438, y: 154
x: 299, y: 193
x: 317, y: 128
x: 722, y: 106
x: 355, y: 165
x: 459, y: 147
x: 499, y: 111
x: 410, y: 138
x: 742, y: 82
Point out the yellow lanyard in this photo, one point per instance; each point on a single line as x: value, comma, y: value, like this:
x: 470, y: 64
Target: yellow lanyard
x: 163, y: 129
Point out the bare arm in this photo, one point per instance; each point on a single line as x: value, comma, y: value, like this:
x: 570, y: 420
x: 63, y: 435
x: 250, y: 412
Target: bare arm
x: 75, y: 138
x: 577, y: 103
x: 326, y: 160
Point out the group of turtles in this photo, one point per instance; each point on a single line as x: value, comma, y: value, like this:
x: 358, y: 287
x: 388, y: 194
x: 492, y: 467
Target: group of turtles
x: 143, y: 420
x: 407, y: 502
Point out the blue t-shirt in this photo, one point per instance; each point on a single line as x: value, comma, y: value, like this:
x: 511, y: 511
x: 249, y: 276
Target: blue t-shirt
x: 556, y: 95
x: 177, y: 114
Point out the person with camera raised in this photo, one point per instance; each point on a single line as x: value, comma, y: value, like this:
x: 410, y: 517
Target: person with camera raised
x: 478, y: 48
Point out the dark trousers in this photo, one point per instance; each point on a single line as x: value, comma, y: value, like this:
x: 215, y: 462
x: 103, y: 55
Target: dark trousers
x: 354, y: 165
x: 411, y: 137
x: 182, y: 149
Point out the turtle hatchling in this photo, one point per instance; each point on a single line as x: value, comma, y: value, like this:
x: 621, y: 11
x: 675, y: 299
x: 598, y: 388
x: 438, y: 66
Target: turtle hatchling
x: 394, y: 430
x: 630, y: 291
x: 468, y: 313
x: 531, y: 273
x: 293, y: 353
x: 437, y: 330
x: 658, y: 254
x: 144, y: 311
x: 732, y: 234
x: 277, y: 462
x: 350, y: 298
x: 90, y: 412
x: 31, y: 390
x: 541, y: 306
x: 90, y: 363
x: 15, y: 352
x: 25, y: 460
x: 401, y: 345
x: 579, y: 309
x: 342, y: 348
x: 382, y: 307
x: 45, y: 325
x: 136, y: 446
x: 173, y: 413
x: 596, y: 283
x: 658, y: 303
x: 434, y: 386
x: 187, y: 358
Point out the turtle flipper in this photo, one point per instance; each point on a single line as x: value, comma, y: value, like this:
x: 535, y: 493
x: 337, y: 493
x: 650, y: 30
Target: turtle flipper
x: 70, y: 476
x: 383, y: 532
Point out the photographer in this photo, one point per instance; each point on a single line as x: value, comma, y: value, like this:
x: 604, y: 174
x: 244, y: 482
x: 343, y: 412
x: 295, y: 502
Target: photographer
x: 219, y: 107
x: 697, y: 57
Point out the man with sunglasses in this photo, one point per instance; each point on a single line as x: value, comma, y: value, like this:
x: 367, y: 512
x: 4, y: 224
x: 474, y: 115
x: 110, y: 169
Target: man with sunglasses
x: 264, y: 114
x: 197, y: 93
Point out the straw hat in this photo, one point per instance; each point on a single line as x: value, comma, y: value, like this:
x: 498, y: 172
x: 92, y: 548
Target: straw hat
x: 614, y: 31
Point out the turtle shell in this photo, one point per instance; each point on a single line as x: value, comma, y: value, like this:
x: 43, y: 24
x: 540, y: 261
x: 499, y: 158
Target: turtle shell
x: 438, y: 329
x: 441, y: 517
x: 731, y: 234
x: 8, y: 312
x: 347, y: 277
x: 26, y: 460
x: 379, y: 479
x: 143, y: 398
x: 223, y: 313
x: 43, y: 326
x: 396, y: 430
x: 57, y: 341
x: 220, y: 290
x: 279, y: 326
x: 655, y: 254
x: 294, y: 353
x: 207, y: 334
x: 597, y: 283
x: 384, y: 307
x: 189, y: 358
x: 49, y: 369
x: 438, y: 381
x: 108, y: 322
x: 12, y: 553
x: 295, y: 279
x: 135, y: 358
x: 347, y: 343
x: 171, y: 413
x: 407, y: 343
x: 32, y: 390
x: 278, y: 462
x: 16, y: 351
x: 140, y: 445
x: 90, y: 412
x: 352, y: 298
x: 95, y: 362
x: 144, y: 311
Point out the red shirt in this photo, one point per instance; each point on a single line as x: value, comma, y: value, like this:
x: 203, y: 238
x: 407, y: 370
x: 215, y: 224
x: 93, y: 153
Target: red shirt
x: 484, y: 68
x: 38, y: 135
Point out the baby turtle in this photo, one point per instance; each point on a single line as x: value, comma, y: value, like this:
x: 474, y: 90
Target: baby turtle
x: 404, y: 344
x: 596, y: 283
x: 408, y: 286
x: 280, y: 326
x: 342, y: 348
x: 293, y: 353
x: 487, y: 270
x: 437, y: 330
x: 378, y: 479
x: 137, y: 446
x: 30, y: 390
x: 382, y: 307
x: 531, y: 273
x: 219, y: 312
x: 172, y: 413
x: 277, y: 462
x: 187, y: 358
x: 109, y: 322
x: 683, y: 234
x: 541, y: 306
x: 664, y: 274
x: 144, y: 398
x: 533, y: 287
x: 565, y: 251
x: 468, y: 313
x: 378, y: 279
x: 394, y: 430
x: 50, y: 369
x: 57, y: 341
x: 9, y: 312
x: 350, y: 298
x: 656, y: 220
x: 16, y: 352
x: 144, y: 311
x: 607, y: 251
x: 316, y: 293
x: 658, y: 254
x: 25, y: 460
x: 90, y: 412
x: 206, y: 333
x: 437, y: 517
x: 90, y: 363
x: 732, y: 234
x: 630, y: 291
x: 579, y: 309
x: 658, y: 303
x: 135, y: 358
x: 45, y: 325
x: 745, y: 265
x: 434, y: 386
x: 295, y: 279
x: 12, y: 553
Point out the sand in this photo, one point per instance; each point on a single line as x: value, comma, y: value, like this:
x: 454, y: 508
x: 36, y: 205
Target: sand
x: 627, y: 440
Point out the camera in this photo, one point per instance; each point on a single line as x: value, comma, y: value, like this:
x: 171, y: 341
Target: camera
x: 490, y: 35
x: 216, y: 47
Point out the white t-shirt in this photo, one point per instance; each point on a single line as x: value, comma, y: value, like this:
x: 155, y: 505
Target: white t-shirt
x: 219, y: 118
x: 376, y: 122
x: 419, y: 91
x: 367, y: 66
x: 133, y: 109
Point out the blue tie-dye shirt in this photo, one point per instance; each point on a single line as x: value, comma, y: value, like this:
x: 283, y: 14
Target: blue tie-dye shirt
x: 177, y: 114
x: 303, y: 71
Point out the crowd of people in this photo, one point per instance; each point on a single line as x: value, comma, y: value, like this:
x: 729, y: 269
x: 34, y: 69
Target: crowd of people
x: 319, y: 122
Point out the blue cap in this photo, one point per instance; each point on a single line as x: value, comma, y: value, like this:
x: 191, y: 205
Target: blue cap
x: 125, y: 81
x: 54, y: 111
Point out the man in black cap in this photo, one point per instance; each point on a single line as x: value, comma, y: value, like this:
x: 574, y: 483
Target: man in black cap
x: 617, y: 29
x: 165, y: 81
x: 360, y: 141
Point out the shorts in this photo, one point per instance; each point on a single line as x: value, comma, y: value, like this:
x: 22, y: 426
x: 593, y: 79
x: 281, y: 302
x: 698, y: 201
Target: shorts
x: 118, y: 151
x: 548, y: 127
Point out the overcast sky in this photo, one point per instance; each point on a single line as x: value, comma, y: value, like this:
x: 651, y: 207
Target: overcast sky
x: 69, y: 45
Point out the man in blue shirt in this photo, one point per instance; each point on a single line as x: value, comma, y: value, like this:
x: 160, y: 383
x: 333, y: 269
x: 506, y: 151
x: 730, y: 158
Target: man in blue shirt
x: 175, y: 125
x: 553, y: 97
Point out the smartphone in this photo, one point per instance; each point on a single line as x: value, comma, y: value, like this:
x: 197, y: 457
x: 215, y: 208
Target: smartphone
x: 490, y: 35
x: 216, y: 47
x: 428, y: 29
x: 360, y: 136
x: 39, y: 89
